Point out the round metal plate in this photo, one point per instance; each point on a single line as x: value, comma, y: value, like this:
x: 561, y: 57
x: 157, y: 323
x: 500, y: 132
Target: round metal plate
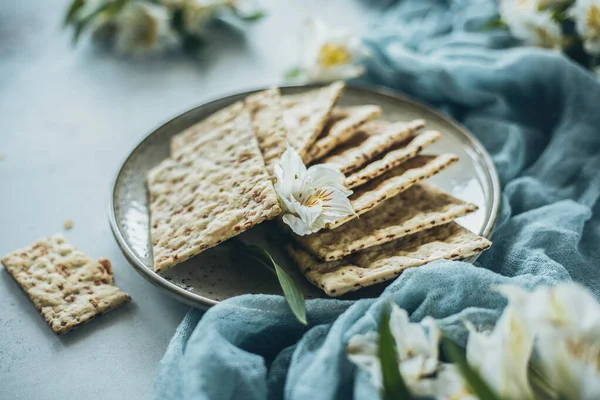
x: 214, y: 275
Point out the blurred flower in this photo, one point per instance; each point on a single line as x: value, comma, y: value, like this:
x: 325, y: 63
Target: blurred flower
x: 528, y: 21
x: 586, y: 14
x: 143, y: 28
x: 447, y: 383
x: 140, y: 27
x: 328, y: 54
x: 417, y: 347
x: 567, y: 352
x: 198, y: 13
x: 416, y: 343
x: 502, y: 355
x: 310, y: 197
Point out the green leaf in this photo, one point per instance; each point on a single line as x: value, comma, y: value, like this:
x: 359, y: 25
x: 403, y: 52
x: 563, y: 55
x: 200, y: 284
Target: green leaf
x: 73, y: 8
x: 495, y: 23
x: 475, y: 382
x: 248, y: 16
x: 293, y: 73
x: 111, y: 9
x: 293, y: 295
x: 105, y: 12
x: 253, y: 16
x: 394, y: 387
x: 77, y: 32
x: 559, y: 15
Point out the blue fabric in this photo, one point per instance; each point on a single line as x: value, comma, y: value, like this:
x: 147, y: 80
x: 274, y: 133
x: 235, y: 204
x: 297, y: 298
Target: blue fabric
x: 536, y: 113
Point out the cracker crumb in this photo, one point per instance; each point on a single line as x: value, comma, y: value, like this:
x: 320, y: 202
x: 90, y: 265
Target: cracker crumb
x: 68, y: 224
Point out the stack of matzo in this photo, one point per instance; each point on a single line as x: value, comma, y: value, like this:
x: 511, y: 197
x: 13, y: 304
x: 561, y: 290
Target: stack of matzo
x: 218, y: 183
x: 399, y: 221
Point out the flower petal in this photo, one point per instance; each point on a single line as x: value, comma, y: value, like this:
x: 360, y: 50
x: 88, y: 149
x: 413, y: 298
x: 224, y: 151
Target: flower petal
x: 298, y: 226
x: 290, y: 173
x: 322, y: 175
x: 502, y: 355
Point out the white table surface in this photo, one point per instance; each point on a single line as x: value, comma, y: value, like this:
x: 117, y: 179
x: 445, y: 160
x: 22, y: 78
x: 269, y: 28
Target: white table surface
x: 68, y: 118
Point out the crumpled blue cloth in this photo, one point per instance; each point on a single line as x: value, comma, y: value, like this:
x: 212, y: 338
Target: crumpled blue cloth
x: 536, y: 112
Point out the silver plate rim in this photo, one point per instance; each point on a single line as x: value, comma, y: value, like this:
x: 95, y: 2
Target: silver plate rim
x: 199, y: 301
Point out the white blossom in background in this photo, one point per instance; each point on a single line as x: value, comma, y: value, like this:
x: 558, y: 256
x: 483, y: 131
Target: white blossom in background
x: 310, y: 197
x: 555, y: 330
x: 567, y: 351
x: 528, y: 21
x: 417, y: 345
x: 199, y: 13
x: 586, y: 14
x: 502, y: 356
x: 448, y: 384
x: 139, y: 29
x: 329, y: 54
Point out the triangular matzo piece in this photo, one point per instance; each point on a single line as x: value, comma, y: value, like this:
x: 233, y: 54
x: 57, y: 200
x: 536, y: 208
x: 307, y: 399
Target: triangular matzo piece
x: 418, y: 208
x: 370, y: 141
x: 393, y: 182
x: 340, y: 126
x: 383, y: 263
x: 305, y: 114
x: 67, y: 287
x: 394, y: 157
x: 216, y: 188
x: 213, y: 121
x: 267, y: 122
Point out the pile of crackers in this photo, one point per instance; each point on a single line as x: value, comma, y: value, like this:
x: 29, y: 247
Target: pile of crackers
x: 218, y: 183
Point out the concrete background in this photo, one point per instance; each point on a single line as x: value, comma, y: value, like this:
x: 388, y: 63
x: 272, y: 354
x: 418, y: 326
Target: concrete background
x: 68, y: 118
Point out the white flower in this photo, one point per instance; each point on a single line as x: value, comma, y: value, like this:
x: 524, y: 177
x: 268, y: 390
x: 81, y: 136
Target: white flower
x: 416, y: 343
x: 417, y: 346
x: 448, y: 384
x: 198, y: 13
x: 310, y: 197
x: 363, y: 351
x: 567, y: 350
x: 417, y: 350
x: 586, y: 14
x: 502, y: 355
x: 140, y: 28
x: 329, y: 54
x: 528, y: 21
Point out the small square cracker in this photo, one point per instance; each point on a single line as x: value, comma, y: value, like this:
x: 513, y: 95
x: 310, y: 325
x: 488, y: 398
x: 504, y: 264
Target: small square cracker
x: 66, y: 286
x: 383, y: 263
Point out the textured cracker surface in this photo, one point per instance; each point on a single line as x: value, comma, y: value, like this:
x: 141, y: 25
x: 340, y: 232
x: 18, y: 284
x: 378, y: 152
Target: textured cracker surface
x: 382, y: 263
x: 394, y: 157
x: 215, y: 189
x: 341, y: 125
x: 305, y: 115
x: 213, y: 121
x: 66, y: 286
x: 369, y: 142
x: 267, y: 122
x: 393, y: 182
x: 418, y: 208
